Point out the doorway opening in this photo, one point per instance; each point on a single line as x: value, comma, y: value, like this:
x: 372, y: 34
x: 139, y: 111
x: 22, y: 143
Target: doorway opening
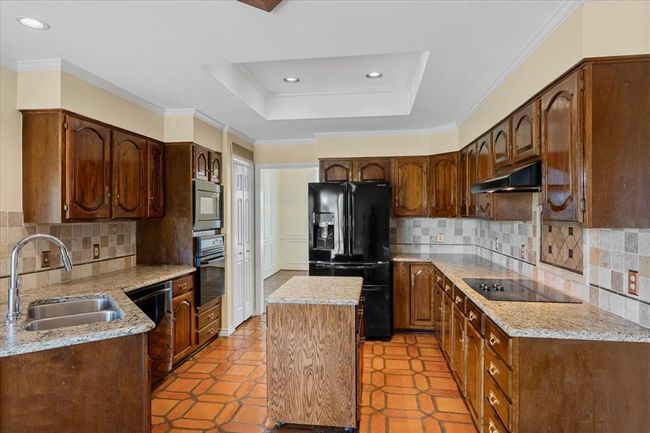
x: 283, y: 234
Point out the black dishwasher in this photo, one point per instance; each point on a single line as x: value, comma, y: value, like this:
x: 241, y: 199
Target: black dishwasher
x: 156, y: 302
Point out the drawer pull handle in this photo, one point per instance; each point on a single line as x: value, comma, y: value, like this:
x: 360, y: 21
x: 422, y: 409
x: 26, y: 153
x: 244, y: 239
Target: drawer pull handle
x: 459, y: 299
x: 493, y: 369
x: 492, y: 428
x: 447, y: 288
x: 494, y: 401
x: 493, y: 340
x: 472, y: 316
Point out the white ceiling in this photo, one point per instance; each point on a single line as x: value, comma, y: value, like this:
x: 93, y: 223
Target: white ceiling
x: 168, y: 54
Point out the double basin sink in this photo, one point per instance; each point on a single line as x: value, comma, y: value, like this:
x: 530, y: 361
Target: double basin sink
x: 60, y: 313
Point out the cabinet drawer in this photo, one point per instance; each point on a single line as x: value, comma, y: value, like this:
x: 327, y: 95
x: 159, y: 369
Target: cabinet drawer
x: 491, y: 422
x: 182, y: 285
x: 499, y: 371
x: 475, y: 316
x: 209, y: 331
x: 496, y: 339
x: 498, y: 401
x: 448, y: 287
x: 210, y: 315
x: 440, y: 278
x: 459, y: 299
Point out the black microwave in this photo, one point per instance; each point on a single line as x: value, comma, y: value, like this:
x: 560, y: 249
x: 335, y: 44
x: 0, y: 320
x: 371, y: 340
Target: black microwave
x: 207, y: 205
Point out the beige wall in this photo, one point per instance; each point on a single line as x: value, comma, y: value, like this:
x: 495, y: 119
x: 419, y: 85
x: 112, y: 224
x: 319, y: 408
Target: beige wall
x: 285, y: 153
x: 207, y: 135
x: 596, y: 28
x: 11, y: 192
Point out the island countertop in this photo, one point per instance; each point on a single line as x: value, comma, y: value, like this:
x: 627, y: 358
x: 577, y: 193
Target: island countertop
x: 318, y: 290
x: 531, y: 319
x: 15, y: 339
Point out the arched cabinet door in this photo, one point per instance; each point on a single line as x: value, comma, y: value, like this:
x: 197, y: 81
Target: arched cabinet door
x: 484, y: 202
x: 335, y: 170
x: 375, y: 169
x: 156, y: 179
x: 561, y: 144
x: 501, y: 149
x: 215, y: 167
x: 410, y: 179
x: 129, y: 176
x: 525, y: 133
x: 443, y: 175
x: 88, y: 170
x: 200, y: 163
x: 421, y: 296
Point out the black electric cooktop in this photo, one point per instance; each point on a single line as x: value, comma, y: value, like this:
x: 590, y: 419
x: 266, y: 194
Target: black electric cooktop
x: 517, y: 290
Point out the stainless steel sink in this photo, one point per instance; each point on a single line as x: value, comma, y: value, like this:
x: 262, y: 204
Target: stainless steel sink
x: 62, y: 313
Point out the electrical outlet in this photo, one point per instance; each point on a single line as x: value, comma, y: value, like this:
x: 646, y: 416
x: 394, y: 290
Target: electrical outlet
x: 440, y: 238
x: 633, y: 282
x: 45, y: 259
x: 523, y: 251
x: 95, y: 251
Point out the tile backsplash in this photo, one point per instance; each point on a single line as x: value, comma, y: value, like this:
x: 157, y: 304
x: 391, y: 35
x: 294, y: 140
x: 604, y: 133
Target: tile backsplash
x: 596, y: 272
x: 116, y: 240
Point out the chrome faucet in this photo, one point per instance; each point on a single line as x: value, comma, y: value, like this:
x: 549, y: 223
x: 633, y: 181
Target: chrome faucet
x: 13, y: 295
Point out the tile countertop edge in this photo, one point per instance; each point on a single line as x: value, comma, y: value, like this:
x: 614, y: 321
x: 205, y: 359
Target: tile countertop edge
x: 637, y: 334
x: 20, y: 341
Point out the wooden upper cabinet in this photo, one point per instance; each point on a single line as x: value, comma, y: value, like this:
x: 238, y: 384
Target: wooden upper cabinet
x: 463, y: 183
x: 335, y: 170
x: 410, y: 179
x: 377, y: 169
x: 215, y: 166
x: 483, y: 202
x: 443, y: 174
x: 155, y: 180
x: 200, y: 163
x: 472, y: 178
x: 501, y: 146
x: 129, y: 176
x: 525, y: 133
x: 561, y: 144
x: 421, y: 296
x: 88, y: 169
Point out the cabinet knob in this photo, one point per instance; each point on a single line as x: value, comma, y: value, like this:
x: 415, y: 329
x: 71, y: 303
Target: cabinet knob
x: 493, y: 340
x: 493, y: 370
x: 492, y: 428
x: 472, y: 316
x: 458, y: 300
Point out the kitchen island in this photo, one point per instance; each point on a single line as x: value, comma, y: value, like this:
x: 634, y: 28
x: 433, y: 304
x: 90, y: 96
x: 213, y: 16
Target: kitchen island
x: 314, y: 338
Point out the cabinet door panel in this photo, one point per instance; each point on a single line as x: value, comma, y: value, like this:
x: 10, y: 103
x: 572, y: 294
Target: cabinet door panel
x: 474, y: 382
x: 561, y: 141
x: 201, y: 163
x: 156, y: 180
x: 501, y: 146
x: 88, y: 170
x: 183, y: 307
x: 410, y: 178
x: 525, y: 133
x: 444, y: 185
x: 215, y: 166
x: 129, y: 176
x: 421, y: 296
x: 437, y: 307
x: 458, y: 351
x: 447, y: 322
x: 333, y: 170
x: 483, y: 202
x: 463, y: 183
x: 401, y: 295
x: 377, y: 169
x: 472, y: 178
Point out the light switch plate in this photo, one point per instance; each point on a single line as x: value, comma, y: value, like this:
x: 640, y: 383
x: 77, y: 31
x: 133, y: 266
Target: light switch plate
x: 440, y: 238
x: 95, y: 251
x: 633, y: 282
x: 45, y: 259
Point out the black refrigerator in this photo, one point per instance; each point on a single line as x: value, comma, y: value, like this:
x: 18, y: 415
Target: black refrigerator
x: 349, y: 236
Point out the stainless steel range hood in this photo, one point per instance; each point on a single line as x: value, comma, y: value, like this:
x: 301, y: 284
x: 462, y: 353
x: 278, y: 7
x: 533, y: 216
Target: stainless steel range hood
x: 523, y: 179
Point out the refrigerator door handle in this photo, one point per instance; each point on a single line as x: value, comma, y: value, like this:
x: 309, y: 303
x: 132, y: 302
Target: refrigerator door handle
x: 351, y: 222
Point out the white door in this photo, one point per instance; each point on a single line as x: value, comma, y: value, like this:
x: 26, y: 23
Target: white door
x: 242, y: 228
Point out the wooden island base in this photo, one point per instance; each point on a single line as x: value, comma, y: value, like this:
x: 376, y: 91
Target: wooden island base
x: 314, y: 364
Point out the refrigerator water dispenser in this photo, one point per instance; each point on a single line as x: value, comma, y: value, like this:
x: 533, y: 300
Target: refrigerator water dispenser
x: 323, y: 226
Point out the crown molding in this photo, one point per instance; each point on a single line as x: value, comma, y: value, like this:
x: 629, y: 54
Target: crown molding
x: 560, y: 15
x: 387, y: 133
x: 288, y: 141
x: 238, y: 134
x: 8, y: 63
x: 55, y: 64
x: 178, y: 112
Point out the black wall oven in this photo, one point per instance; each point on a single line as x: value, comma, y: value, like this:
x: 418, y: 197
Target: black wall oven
x: 210, y: 262
x: 207, y: 205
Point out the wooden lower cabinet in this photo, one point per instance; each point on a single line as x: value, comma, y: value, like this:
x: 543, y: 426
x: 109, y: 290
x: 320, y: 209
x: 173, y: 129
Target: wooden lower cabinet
x: 318, y: 390
x: 101, y: 386
x: 183, y: 311
x: 530, y: 385
x: 208, y: 322
x: 413, y: 286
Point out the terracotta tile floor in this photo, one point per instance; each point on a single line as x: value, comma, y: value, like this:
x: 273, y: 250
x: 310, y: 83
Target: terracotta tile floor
x: 407, y: 388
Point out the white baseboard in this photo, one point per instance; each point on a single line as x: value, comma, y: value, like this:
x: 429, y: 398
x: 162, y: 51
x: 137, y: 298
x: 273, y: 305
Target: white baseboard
x: 225, y: 332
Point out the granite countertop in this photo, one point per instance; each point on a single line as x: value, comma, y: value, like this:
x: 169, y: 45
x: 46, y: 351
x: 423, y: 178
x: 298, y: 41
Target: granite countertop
x: 318, y: 290
x: 531, y: 319
x: 16, y: 340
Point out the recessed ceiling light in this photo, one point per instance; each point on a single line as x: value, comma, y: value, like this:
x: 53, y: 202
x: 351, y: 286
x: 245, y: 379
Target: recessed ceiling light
x: 291, y: 79
x: 33, y: 23
x: 374, y: 74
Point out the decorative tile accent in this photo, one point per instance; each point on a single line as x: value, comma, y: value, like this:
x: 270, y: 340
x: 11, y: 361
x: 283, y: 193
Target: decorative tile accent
x: 406, y: 387
x: 117, y: 241
x: 561, y: 246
